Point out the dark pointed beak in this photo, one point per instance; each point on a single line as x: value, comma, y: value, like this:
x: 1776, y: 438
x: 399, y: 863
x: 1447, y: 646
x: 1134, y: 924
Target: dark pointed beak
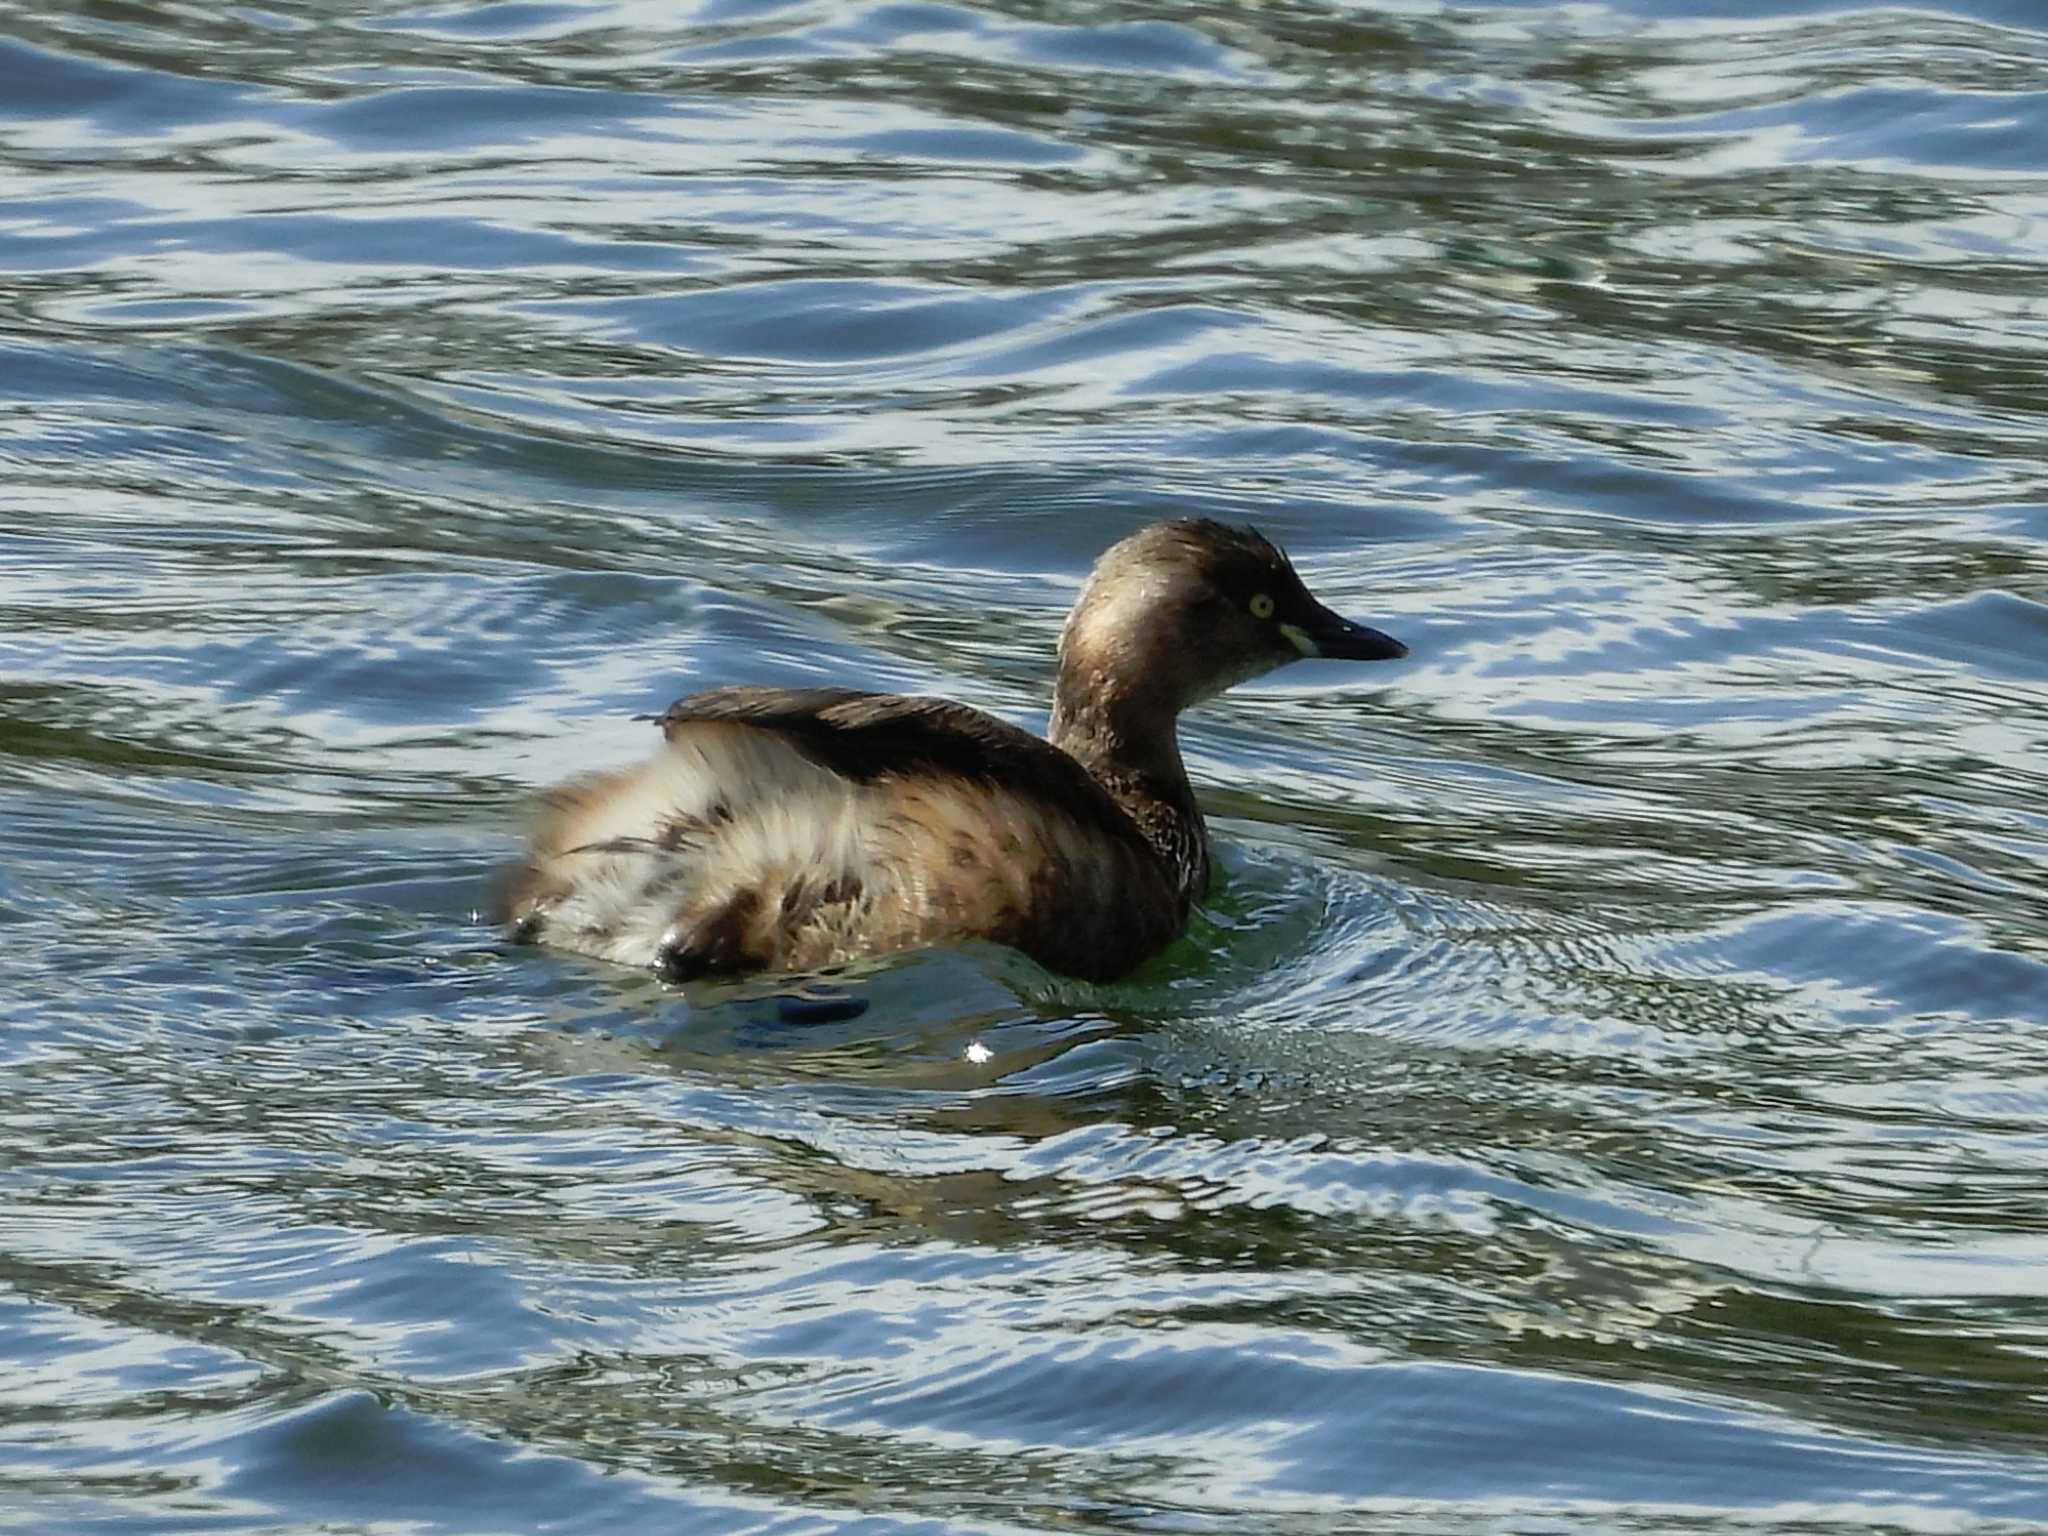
x: 1333, y: 636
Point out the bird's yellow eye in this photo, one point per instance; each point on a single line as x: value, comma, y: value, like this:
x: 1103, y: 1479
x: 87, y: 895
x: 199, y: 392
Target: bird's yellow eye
x: 1262, y: 606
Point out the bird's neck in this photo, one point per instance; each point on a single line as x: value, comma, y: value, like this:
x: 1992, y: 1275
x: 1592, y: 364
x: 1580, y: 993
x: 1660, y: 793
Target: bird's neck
x: 1126, y: 739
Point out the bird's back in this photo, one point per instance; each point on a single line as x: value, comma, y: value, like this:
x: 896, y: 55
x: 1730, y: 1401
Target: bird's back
x: 784, y: 829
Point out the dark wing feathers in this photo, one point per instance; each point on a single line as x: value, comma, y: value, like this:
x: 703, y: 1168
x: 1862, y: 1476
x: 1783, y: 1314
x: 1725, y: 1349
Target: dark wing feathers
x: 868, y: 736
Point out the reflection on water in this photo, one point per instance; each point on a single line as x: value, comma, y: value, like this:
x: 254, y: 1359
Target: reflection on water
x: 1604, y: 1088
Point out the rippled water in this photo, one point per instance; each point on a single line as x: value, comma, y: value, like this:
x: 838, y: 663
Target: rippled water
x: 1607, y: 1087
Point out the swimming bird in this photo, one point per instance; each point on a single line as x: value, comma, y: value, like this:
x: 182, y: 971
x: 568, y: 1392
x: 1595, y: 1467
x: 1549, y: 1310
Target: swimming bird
x: 782, y: 829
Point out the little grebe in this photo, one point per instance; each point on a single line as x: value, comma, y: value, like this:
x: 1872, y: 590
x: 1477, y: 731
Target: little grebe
x: 793, y: 829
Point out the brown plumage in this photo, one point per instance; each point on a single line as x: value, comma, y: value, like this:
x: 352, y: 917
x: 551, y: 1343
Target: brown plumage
x: 794, y: 829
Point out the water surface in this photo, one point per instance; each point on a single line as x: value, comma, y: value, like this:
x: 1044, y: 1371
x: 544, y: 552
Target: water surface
x: 1606, y: 1087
